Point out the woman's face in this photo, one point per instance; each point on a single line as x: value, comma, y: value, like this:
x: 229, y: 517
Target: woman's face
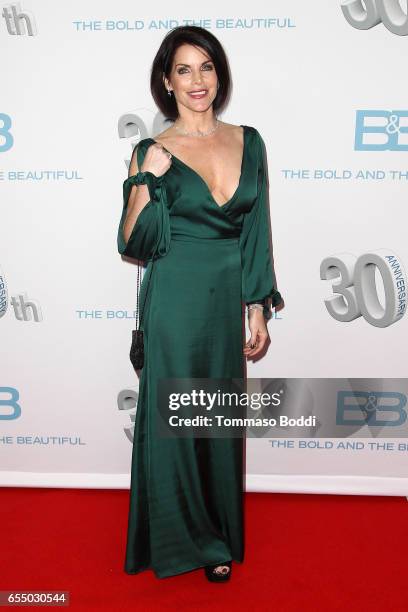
x: 192, y: 71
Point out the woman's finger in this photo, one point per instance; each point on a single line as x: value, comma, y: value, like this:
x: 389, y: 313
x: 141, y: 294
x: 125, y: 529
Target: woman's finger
x: 257, y: 346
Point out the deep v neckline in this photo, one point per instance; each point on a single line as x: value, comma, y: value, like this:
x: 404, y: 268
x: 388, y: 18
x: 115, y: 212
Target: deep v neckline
x: 213, y: 200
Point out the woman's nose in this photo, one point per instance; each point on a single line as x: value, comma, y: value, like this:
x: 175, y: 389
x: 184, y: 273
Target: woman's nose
x: 198, y: 78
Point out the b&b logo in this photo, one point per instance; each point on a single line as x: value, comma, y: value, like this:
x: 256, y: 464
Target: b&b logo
x: 390, y: 126
x: 362, y: 408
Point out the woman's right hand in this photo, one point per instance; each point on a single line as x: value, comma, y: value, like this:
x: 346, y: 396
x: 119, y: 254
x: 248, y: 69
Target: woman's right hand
x: 156, y: 160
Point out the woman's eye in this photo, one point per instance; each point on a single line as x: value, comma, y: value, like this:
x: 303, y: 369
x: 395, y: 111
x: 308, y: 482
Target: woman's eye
x: 183, y: 70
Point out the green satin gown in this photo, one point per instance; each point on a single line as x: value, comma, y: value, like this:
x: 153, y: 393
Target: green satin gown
x: 186, y: 496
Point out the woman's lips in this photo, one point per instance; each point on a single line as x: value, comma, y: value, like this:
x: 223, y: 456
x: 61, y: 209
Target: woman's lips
x: 199, y: 95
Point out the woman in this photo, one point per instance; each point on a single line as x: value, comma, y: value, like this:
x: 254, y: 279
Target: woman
x: 195, y: 203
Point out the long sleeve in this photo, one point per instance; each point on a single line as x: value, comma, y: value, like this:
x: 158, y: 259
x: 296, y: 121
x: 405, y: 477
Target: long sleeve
x: 150, y: 237
x: 258, y: 274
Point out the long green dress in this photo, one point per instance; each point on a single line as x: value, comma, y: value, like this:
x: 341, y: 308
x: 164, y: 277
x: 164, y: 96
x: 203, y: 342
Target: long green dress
x: 186, y: 497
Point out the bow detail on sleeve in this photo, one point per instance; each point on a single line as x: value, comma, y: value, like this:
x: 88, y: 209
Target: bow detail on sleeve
x: 151, y: 235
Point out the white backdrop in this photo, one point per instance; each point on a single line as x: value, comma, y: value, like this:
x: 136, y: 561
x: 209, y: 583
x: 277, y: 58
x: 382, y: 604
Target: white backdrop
x: 75, y: 95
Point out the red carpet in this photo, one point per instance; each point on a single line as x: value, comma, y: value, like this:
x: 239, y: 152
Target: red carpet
x: 313, y: 552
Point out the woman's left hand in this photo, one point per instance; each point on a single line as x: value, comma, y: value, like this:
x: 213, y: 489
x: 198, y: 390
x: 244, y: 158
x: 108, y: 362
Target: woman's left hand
x: 259, y: 333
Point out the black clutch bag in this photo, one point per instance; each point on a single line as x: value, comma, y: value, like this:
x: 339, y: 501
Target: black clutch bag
x: 137, y: 349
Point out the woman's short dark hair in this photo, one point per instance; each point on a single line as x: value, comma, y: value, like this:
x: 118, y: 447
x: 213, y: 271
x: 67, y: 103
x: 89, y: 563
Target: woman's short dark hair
x: 162, y: 63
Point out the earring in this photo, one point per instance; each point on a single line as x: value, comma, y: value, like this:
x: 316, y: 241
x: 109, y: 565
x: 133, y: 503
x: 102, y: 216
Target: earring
x: 169, y: 92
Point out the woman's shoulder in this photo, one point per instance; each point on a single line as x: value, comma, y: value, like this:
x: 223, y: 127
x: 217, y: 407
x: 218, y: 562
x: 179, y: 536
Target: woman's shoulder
x: 142, y: 146
x: 255, y: 139
x: 256, y: 135
x: 139, y: 150
x: 144, y: 142
x: 237, y: 128
x: 254, y: 131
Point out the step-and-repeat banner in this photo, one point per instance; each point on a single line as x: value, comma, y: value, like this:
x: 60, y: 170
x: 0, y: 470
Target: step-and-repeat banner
x: 324, y: 83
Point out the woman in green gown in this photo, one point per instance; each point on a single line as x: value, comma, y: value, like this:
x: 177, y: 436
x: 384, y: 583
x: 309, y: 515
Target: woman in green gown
x: 210, y: 257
